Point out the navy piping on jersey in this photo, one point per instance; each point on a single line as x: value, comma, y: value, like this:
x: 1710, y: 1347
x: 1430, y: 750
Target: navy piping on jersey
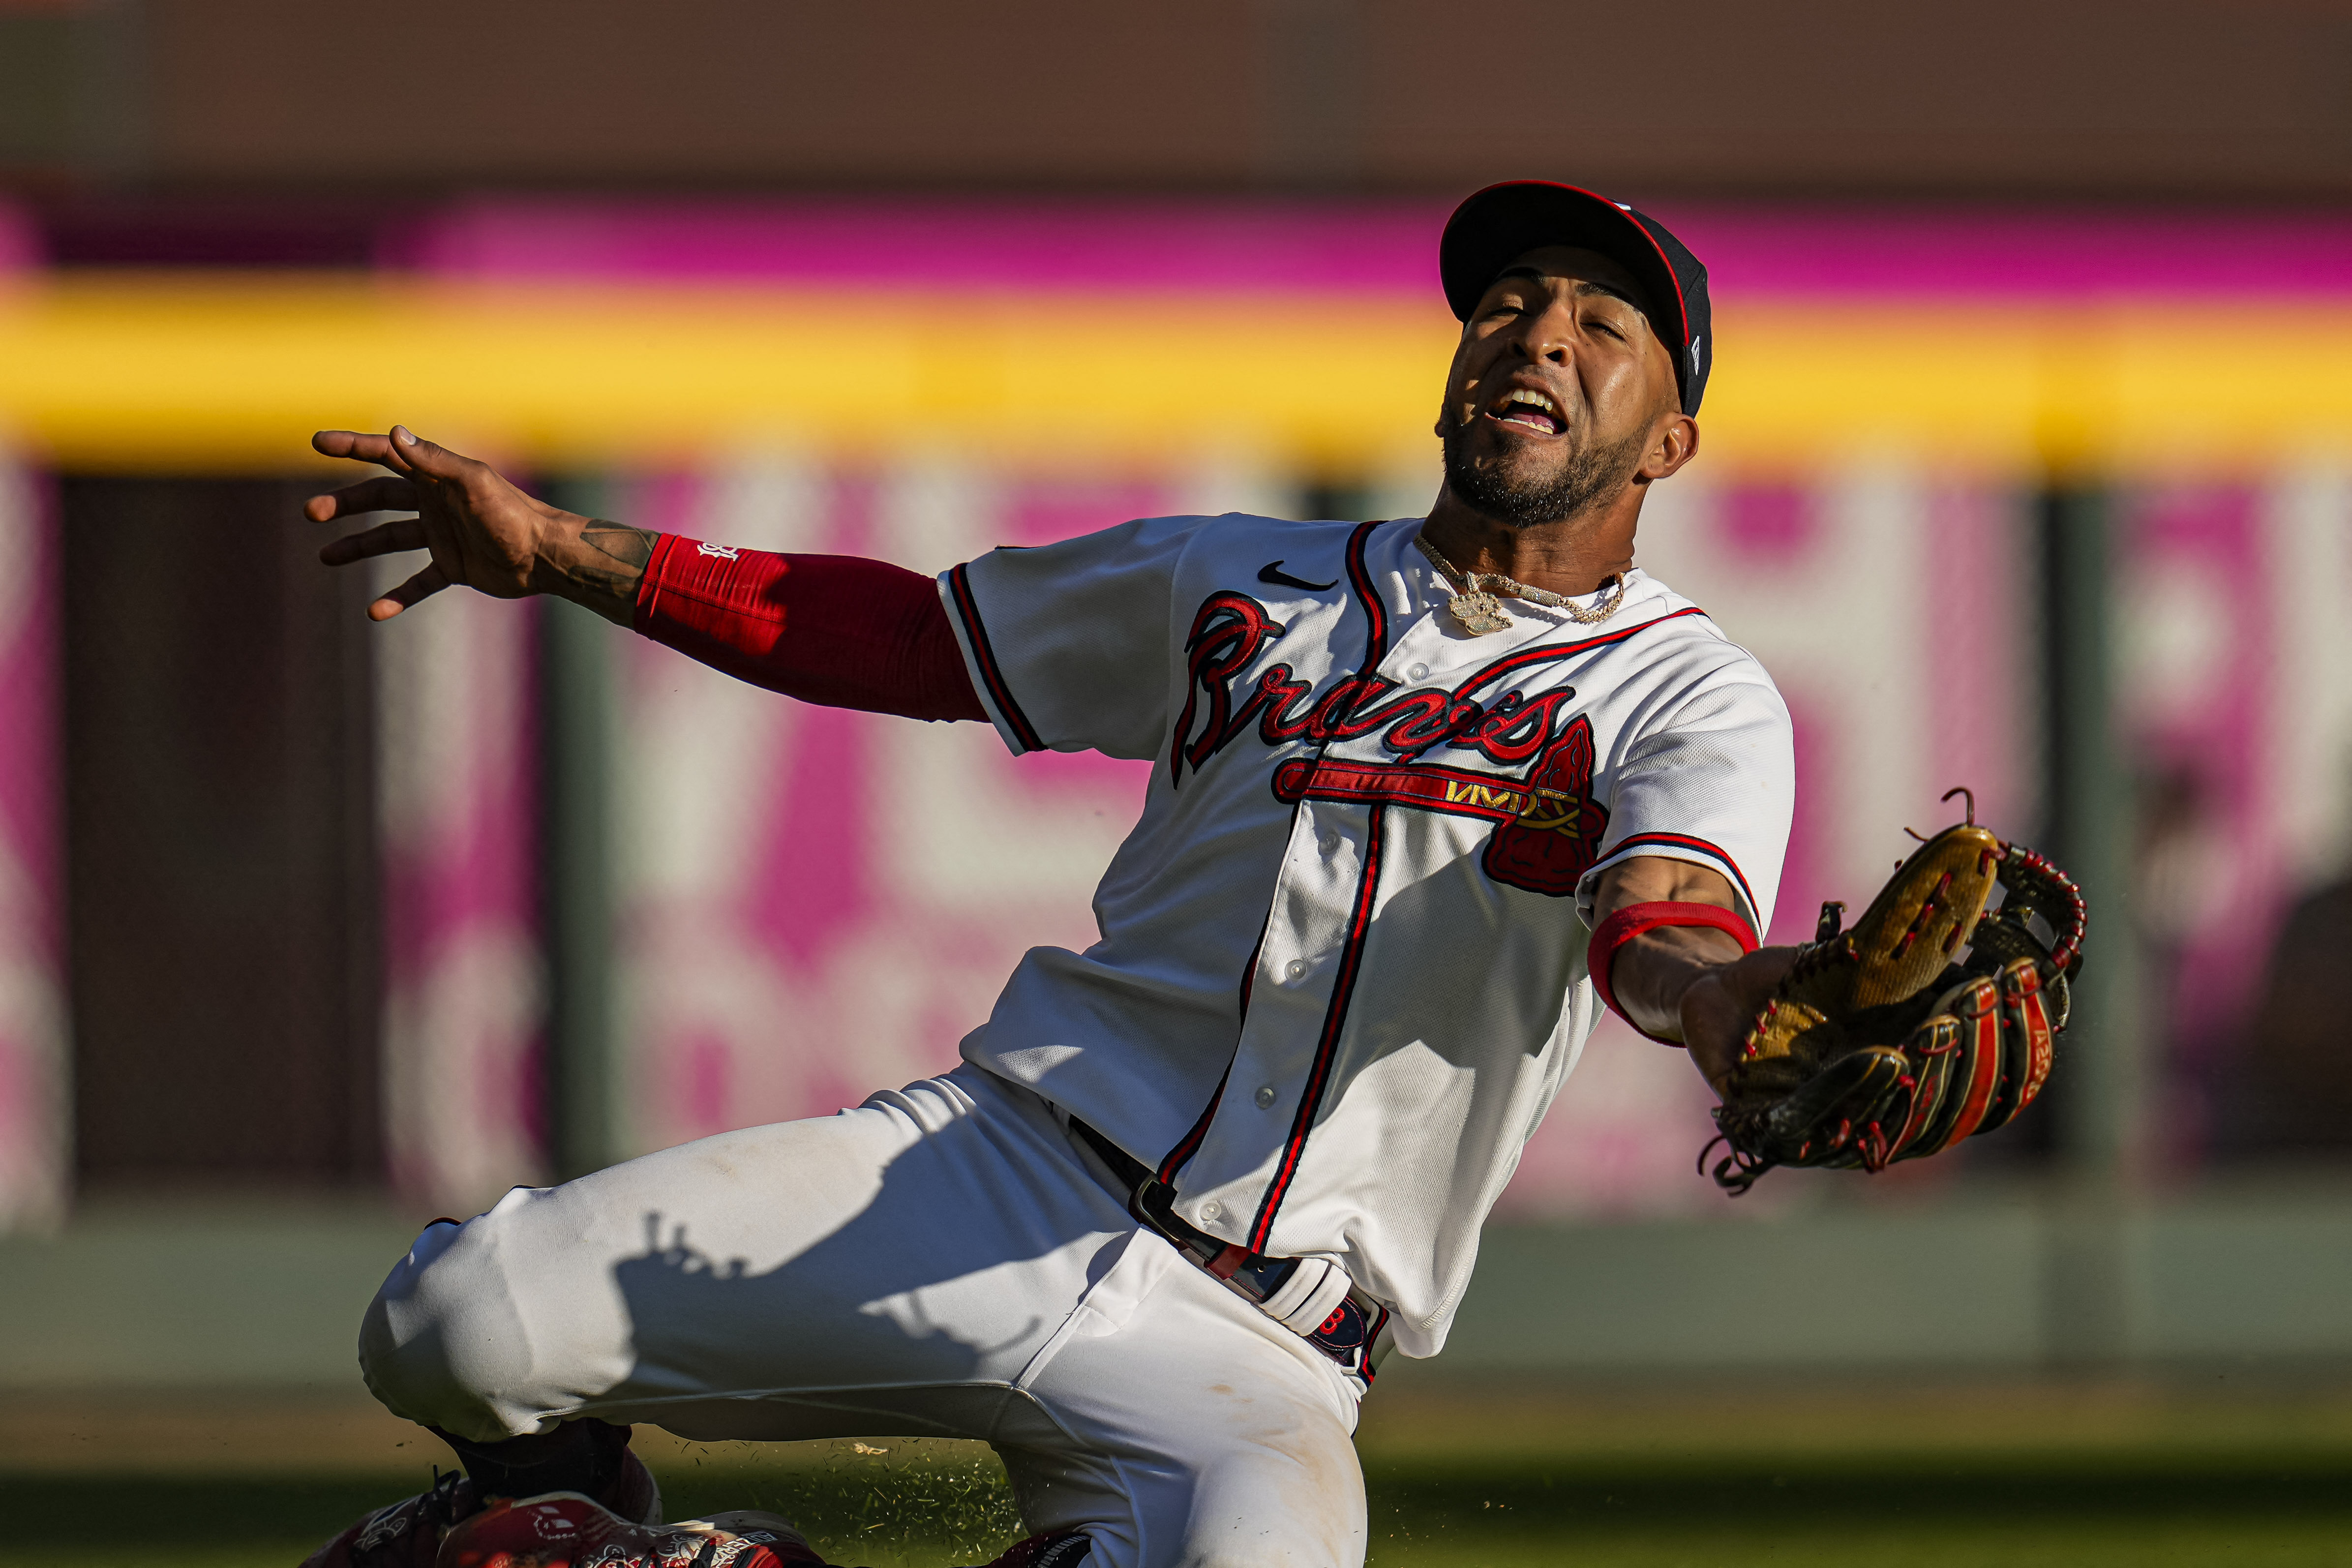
x: 1189, y: 1144
x: 1684, y: 841
x: 1376, y: 637
x: 1360, y: 923
x: 1334, y: 1019
x: 1376, y: 614
x: 959, y: 589
x: 1359, y: 927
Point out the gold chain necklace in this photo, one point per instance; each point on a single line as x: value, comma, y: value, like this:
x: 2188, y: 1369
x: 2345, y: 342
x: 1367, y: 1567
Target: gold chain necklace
x: 1474, y: 604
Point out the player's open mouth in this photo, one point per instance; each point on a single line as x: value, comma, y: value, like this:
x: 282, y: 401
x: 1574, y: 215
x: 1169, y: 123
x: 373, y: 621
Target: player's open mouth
x: 1525, y: 408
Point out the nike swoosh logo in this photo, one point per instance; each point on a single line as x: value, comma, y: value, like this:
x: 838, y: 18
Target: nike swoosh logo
x: 1272, y: 571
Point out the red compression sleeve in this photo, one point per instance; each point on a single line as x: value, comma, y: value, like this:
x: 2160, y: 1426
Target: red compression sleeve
x: 833, y: 629
x: 1633, y: 921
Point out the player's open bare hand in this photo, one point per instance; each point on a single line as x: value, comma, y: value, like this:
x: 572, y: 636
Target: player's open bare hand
x: 480, y: 531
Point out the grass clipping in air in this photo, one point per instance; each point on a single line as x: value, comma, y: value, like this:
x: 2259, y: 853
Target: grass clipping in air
x: 887, y: 1502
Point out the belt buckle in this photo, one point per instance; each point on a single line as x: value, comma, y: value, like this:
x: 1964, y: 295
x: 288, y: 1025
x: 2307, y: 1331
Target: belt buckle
x: 1349, y: 1335
x: 1247, y: 1274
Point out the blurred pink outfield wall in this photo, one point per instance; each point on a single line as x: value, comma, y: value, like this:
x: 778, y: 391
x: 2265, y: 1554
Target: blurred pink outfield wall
x: 34, y: 1115
x: 34, y: 1120
x: 816, y: 904
x: 1225, y: 246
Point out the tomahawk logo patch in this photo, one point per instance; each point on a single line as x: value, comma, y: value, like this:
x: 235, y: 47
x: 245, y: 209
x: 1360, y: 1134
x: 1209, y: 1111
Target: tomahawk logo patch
x: 1555, y: 836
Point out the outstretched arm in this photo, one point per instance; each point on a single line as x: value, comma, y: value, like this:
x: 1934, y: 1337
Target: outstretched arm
x: 829, y: 629
x: 832, y: 629
x: 482, y: 532
x: 1692, y: 983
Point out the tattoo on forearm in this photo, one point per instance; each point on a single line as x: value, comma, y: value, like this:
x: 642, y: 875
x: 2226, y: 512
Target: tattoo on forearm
x: 632, y: 547
x: 610, y: 566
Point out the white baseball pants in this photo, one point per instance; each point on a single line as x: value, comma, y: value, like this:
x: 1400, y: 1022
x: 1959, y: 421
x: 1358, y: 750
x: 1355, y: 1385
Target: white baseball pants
x: 944, y: 1260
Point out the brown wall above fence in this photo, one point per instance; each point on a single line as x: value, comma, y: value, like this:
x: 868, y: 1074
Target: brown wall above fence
x: 2166, y: 98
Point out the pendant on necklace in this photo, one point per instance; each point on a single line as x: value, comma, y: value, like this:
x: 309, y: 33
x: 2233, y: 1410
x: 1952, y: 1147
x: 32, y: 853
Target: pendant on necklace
x: 1479, y: 613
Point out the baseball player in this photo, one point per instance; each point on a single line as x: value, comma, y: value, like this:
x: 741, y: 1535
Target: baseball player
x: 1426, y: 796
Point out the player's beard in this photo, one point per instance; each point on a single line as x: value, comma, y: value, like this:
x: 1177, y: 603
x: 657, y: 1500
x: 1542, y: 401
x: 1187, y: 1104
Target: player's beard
x: 1586, y: 477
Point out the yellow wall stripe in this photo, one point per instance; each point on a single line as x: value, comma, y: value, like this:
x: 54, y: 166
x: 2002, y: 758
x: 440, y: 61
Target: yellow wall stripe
x: 130, y: 372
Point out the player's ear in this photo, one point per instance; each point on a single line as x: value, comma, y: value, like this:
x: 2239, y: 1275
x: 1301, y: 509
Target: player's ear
x: 1675, y: 444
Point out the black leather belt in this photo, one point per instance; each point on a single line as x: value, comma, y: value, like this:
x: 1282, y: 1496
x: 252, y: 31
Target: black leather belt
x: 1132, y: 1172
x: 1311, y: 1297
x: 1152, y: 1202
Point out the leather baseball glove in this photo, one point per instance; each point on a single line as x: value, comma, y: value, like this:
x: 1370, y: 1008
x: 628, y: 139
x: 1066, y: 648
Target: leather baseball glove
x: 1886, y: 1042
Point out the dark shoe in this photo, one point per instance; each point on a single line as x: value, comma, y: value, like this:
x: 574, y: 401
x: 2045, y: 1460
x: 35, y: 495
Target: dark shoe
x: 564, y: 1530
x: 405, y: 1535
x: 409, y: 1534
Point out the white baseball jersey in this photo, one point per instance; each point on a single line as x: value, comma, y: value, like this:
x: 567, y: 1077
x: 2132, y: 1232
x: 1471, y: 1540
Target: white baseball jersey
x: 1342, y: 966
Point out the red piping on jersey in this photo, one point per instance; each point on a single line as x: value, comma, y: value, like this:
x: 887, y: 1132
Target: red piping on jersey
x: 1633, y: 920
x: 982, y: 655
x: 1510, y: 662
x: 1684, y: 841
x: 1334, y: 1018
x: 1351, y: 952
x: 1257, y: 626
x: 1376, y: 634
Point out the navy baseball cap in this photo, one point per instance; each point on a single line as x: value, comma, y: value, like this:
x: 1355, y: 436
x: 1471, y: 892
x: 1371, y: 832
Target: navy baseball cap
x: 1503, y: 222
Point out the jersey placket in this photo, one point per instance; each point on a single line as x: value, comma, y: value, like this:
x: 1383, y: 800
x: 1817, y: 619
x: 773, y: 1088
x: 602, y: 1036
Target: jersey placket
x: 1293, y: 1044
x: 1318, y: 929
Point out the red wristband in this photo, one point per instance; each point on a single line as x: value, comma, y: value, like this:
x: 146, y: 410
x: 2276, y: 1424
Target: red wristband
x: 1635, y: 919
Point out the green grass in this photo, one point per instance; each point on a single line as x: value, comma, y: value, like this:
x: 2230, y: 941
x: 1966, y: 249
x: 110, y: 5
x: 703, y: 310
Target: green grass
x: 896, y: 1513
x: 2244, y: 1512
x: 2029, y: 1477
x: 2018, y: 1512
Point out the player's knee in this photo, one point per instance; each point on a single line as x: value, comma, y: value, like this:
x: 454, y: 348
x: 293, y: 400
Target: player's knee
x: 446, y: 1342
x: 1285, y: 1504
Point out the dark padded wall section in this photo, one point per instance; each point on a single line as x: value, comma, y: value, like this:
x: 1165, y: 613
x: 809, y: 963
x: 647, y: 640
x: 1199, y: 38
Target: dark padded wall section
x: 221, y: 887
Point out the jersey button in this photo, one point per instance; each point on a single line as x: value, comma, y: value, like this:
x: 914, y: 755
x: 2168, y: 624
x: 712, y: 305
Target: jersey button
x: 1330, y: 842
x: 1265, y: 1096
x: 1211, y: 1209
x: 1295, y: 969
x: 1418, y: 672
